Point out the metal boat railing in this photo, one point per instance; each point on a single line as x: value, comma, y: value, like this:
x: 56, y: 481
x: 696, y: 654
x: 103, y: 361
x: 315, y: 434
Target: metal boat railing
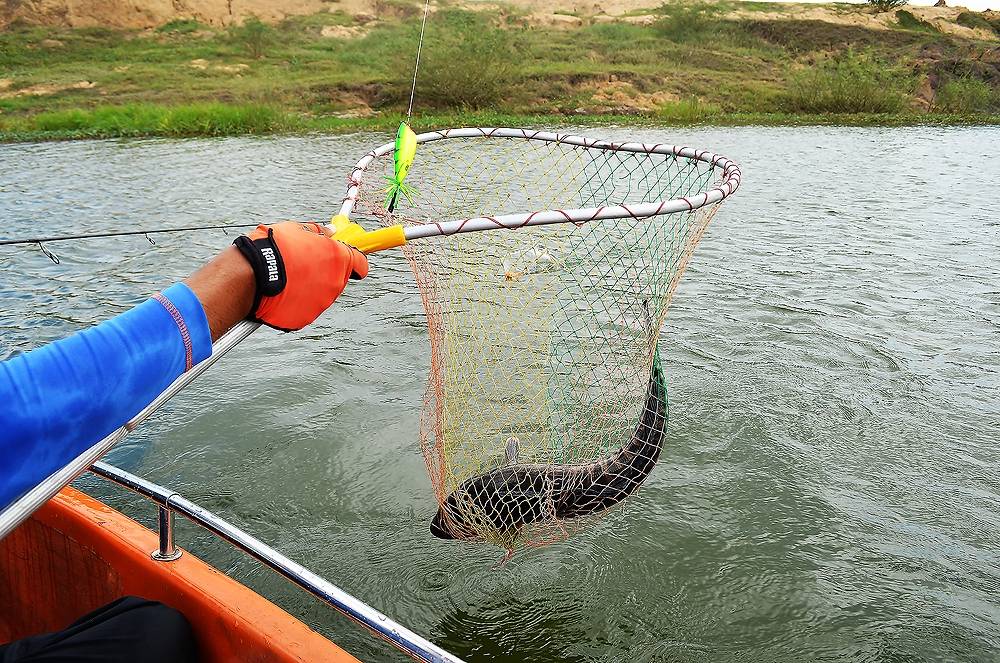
x: 170, y: 502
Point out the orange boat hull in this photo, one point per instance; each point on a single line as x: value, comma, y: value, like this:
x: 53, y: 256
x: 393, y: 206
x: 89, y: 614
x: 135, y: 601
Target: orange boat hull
x: 76, y: 554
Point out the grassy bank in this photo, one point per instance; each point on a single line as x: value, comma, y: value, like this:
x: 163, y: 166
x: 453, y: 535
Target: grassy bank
x: 682, y: 64
x: 150, y: 120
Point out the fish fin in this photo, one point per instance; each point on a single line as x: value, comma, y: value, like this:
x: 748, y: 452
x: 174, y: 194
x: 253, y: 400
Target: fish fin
x: 513, y: 450
x: 506, y: 558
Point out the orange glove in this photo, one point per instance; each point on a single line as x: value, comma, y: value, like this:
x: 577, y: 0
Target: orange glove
x: 299, y: 272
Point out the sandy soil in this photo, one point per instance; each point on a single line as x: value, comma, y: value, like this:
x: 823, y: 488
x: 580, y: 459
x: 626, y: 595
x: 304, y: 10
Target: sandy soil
x: 150, y: 13
x: 942, y: 18
x: 41, y: 89
x: 553, y: 13
x: 582, y: 8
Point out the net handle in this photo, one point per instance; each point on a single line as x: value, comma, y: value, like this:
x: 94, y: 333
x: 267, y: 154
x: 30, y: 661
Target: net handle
x: 730, y: 171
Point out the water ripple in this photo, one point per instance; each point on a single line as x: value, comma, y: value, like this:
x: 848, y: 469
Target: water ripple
x: 829, y: 486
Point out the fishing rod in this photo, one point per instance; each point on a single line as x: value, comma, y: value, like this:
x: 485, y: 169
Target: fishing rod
x: 118, y: 233
x: 42, y: 241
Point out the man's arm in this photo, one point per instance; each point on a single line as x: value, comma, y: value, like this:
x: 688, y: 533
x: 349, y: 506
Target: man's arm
x: 58, y: 400
x: 225, y: 287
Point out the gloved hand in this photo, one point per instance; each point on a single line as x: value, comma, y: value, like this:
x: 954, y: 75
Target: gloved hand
x: 299, y: 272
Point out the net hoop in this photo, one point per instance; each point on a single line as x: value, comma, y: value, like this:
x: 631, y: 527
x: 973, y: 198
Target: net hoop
x: 726, y: 187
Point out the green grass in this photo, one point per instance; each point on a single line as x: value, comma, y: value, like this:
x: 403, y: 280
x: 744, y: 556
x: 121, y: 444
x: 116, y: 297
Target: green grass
x: 689, y: 111
x: 848, y: 83
x: 206, y: 120
x: 190, y: 79
x: 153, y: 120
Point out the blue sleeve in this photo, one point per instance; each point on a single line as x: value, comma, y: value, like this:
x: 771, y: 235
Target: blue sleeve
x: 59, y: 400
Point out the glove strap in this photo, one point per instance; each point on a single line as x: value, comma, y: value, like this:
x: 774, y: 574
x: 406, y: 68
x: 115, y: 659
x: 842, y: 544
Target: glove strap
x: 268, y: 267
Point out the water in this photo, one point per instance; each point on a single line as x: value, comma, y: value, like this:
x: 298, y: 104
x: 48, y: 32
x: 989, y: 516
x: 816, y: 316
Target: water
x: 829, y: 490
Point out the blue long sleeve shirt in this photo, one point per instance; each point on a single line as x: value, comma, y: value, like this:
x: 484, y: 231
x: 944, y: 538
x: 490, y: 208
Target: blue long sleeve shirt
x: 59, y: 400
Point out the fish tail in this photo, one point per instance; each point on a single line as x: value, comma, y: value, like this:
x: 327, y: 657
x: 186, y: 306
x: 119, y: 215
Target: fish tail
x: 657, y: 367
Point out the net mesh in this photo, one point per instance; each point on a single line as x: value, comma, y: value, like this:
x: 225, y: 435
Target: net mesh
x: 545, y: 403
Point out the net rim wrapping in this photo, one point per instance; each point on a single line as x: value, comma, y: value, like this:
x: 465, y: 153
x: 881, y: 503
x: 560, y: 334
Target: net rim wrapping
x: 731, y: 175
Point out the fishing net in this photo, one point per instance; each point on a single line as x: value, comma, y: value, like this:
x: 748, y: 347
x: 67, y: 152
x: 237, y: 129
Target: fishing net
x: 545, y: 403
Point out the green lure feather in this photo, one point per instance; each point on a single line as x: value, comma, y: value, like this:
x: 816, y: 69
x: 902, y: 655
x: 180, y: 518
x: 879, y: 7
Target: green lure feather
x: 402, y: 157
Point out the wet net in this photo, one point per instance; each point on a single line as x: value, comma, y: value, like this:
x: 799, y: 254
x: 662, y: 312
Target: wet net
x: 545, y: 404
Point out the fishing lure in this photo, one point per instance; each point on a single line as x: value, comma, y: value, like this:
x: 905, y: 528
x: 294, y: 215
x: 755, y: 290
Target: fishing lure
x: 402, y: 157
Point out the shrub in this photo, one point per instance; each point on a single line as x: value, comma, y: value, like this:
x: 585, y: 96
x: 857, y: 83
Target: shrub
x: 966, y: 95
x: 886, y: 5
x: 686, y: 22
x: 254, y: 35
x: 690, y: 21
x: 974, y: 20
x: 466, y: 63
x: 181, y: 26
x: 908, y: 21
x: 397, y: 9
x: 313, y: 23
x: 848, y: 83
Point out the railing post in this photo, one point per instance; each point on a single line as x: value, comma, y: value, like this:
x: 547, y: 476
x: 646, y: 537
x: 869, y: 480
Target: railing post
x: 167, y: 551
x: 168, y: 502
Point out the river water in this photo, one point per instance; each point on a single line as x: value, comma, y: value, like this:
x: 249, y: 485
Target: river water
x: 830, y: 485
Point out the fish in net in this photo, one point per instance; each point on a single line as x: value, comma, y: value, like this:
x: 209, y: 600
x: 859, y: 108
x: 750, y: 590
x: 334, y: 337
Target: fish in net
x: 546, y: 403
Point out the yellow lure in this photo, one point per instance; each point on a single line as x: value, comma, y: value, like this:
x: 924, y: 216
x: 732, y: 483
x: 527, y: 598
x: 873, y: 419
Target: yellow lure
x: 402, y: 157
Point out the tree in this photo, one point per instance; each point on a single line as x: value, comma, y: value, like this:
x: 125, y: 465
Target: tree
x: 886, y: 5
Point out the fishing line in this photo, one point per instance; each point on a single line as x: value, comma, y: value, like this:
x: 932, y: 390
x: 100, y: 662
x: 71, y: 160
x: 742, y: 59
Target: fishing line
x: 41, y: 241
x: 416, y: 64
